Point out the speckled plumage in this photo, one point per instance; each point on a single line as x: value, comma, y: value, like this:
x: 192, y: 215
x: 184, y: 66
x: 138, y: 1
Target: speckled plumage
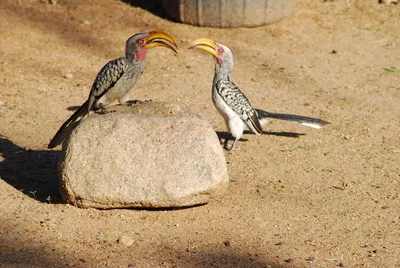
x: 239, y: 103
x: 108, y: 76
x: 114, y: 82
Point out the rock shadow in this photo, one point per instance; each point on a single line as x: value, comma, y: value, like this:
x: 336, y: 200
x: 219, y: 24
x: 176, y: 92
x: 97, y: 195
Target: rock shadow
x: 17, y: 249
x: 33, y: 172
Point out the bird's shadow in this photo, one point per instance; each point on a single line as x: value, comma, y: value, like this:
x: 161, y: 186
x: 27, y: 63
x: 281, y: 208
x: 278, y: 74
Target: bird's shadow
x: 33, y: 172
x: 280, y: 134
x: 76, y: 107
x: 73, y: 108
x: 222, y: 135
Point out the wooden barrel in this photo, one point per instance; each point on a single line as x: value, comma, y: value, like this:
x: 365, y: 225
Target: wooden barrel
x: 229, y: 13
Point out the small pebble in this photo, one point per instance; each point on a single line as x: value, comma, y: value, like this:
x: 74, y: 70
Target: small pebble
x: 227, y: 243
x: 126, y: 240
x: 310, y: 259
x: 68, y: 75
x: 348, y: 137
x: 388, y: 2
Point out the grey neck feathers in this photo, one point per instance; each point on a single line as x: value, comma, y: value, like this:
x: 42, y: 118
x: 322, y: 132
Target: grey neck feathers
x: 224, y: 72
x: 130, y: 52
x: 135, y: 68
x: 130, y: 56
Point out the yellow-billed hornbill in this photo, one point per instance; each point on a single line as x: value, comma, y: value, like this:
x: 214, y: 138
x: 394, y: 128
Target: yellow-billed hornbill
x: 232, y: 104
x: 116, y: 79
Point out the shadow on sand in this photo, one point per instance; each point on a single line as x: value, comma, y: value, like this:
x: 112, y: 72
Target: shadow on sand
x: 222, y: 135
x: 32, y: 172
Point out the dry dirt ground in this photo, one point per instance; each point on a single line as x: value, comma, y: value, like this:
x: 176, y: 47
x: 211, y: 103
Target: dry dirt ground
x: 327, y: 198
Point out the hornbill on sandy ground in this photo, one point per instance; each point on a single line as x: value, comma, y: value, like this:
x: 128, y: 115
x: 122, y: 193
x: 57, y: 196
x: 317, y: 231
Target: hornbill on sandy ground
x: 232, y: 104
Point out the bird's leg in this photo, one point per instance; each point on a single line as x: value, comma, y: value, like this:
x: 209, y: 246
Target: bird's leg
x: 104, y: 109
x: 233, y: 145
x: 227, y: 140
x: 136, y: 102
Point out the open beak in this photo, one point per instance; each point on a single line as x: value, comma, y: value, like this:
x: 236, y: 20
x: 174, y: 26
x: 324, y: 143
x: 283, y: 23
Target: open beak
x: 160, y: 39
x: 206, y: 44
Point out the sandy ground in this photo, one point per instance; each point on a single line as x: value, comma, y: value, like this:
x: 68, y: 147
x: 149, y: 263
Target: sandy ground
x: 328, y: 198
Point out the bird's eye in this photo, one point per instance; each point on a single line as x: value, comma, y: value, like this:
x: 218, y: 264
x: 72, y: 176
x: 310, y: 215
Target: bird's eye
x: 220, y: 50
x: 140, y: 41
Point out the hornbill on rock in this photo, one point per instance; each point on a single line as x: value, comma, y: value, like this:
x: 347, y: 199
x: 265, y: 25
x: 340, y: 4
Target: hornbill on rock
x: 232, y: 104
x: 116, y: 79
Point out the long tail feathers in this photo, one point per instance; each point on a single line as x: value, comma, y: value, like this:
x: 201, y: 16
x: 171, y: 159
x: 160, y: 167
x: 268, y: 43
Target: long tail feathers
x: 306, y: 121
x: 69, y: 125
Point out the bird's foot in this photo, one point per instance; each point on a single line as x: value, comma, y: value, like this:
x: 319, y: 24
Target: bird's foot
x: 232, y: 146
x: 103, y: 110
x: 225, y: 143
x: 136, y: 102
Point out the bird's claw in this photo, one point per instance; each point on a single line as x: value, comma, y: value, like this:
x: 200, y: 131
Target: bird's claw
x: 136, y: 102
x: 105, y: 111
x: 232, y: 146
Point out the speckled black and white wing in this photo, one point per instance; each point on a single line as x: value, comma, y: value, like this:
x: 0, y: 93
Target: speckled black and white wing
x: 107, y: 78
x: 239, y: 103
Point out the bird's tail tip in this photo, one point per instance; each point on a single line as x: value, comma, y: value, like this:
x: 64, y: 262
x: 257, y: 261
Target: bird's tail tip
x: 316, y: 126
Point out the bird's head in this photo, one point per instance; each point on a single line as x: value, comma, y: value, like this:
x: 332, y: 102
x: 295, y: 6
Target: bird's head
x: 222, y: 54
x: 138, y: 44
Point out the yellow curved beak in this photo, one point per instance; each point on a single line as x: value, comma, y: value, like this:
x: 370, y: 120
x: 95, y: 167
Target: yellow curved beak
x: 206, y: 44
x: 160, y: 39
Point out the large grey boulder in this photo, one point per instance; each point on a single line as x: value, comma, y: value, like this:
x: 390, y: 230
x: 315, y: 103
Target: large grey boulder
x: 154, y: 155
